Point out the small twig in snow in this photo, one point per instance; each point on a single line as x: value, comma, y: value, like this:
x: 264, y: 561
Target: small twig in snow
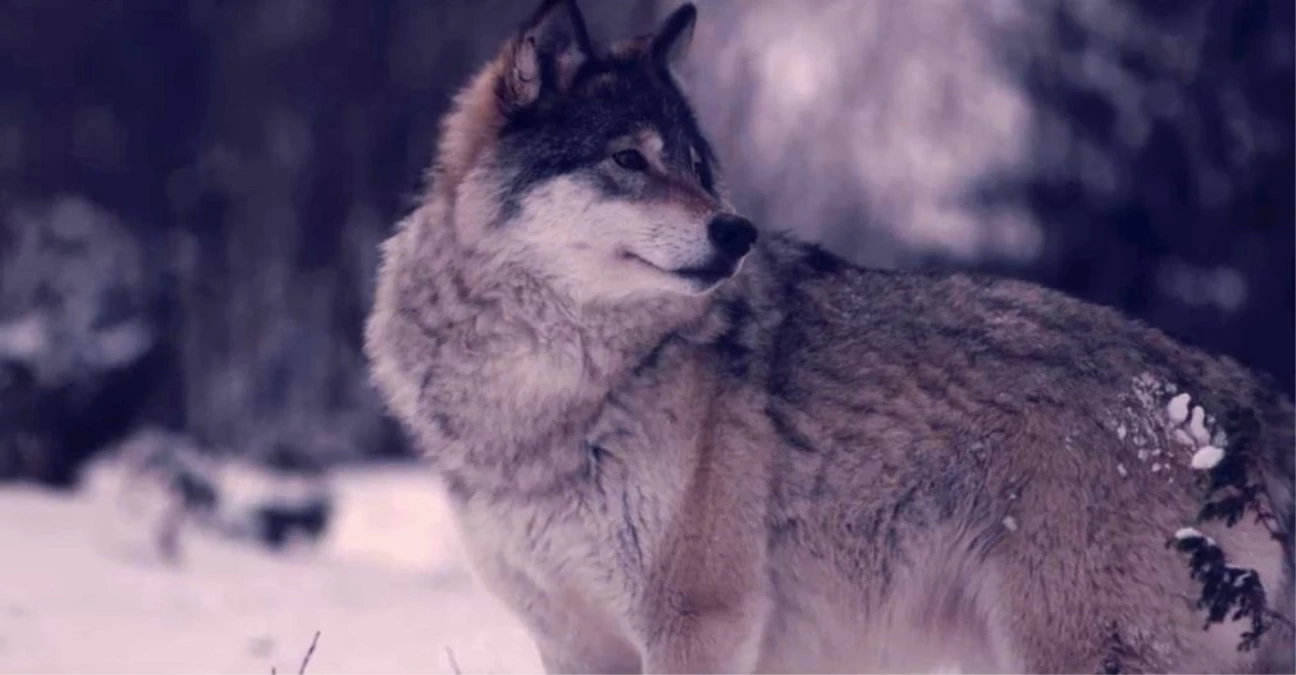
x: 309, y: 652
x: 454, y: 665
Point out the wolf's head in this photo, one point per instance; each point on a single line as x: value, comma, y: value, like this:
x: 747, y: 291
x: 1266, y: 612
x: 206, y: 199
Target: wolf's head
x: 585, y: 164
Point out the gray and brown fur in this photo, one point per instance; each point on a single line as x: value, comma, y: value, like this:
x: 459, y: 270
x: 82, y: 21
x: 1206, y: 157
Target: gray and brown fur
x: 666, y: 456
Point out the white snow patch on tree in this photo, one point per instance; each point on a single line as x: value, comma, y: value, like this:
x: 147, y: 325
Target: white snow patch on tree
x: 1197, y: 427
x: 1207, y: 457
x: 1192, y: 533
x: 1245, y: 574
x: 1177, y: 409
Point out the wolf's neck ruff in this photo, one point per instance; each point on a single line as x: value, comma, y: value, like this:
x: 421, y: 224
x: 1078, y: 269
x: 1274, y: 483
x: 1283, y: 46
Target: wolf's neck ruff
x: 508, y: 371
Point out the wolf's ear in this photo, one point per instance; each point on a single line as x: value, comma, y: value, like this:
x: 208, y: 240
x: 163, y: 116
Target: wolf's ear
x: 671, y: 43
x: 546, y: 52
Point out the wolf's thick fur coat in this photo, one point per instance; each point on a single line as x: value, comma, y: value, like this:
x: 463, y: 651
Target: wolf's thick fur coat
x: 806, y: 466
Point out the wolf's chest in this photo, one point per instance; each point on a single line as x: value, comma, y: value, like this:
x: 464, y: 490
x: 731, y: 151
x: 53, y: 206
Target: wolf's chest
x: 601, y: 529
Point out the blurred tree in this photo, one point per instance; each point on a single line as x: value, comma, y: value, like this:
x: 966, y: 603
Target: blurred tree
x: 257, y: 152
x: 1163, y: 169
x: 213, y: 178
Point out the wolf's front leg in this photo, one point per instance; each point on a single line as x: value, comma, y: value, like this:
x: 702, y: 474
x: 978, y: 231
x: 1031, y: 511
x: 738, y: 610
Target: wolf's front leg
x: 717, y: 641
x: 592, y: 655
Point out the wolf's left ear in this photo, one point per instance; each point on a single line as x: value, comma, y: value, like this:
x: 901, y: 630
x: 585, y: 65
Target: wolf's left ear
x: 671, y: 43
x: 546, y: 52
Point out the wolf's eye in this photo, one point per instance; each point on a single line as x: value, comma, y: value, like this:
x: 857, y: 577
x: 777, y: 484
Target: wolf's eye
x: 630, y: 160
x: 703, y: 173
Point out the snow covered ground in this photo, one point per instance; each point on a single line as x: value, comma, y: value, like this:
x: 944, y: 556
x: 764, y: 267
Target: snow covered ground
x: 82, y: 589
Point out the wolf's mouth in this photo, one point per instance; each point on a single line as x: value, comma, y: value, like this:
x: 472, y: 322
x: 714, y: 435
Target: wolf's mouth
x: 716, y: 270
x: 713, y: 272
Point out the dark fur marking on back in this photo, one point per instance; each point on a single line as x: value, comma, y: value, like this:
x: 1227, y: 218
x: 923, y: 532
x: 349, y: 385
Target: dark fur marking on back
x: 730, y: 344
x: 821, y: 261
x: 779, y: 383
x: 784, y: 428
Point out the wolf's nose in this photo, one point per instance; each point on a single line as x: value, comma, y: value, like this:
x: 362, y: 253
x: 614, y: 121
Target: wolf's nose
x: 733, y: 235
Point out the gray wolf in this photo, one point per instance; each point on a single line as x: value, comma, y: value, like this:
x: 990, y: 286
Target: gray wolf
x: 675, y: 445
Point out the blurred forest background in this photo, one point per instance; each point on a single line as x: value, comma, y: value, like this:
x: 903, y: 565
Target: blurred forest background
x: 192, y: 191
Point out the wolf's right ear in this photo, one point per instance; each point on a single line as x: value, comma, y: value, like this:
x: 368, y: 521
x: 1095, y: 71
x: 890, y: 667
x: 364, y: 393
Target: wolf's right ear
x: 545, y: 53
x: 671, y: 43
